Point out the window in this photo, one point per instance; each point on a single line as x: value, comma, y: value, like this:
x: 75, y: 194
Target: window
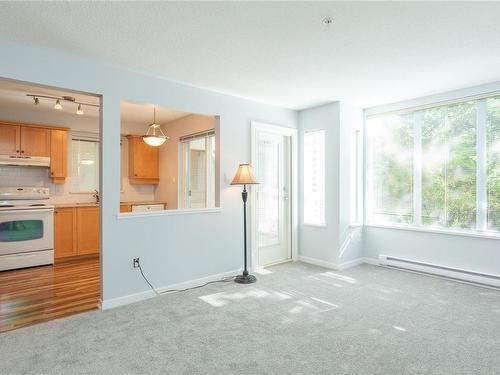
x: 436, y: 167
x: 197, y: 172
x: 84, y: 165
x: 314, y: 177
x: 391, y: 150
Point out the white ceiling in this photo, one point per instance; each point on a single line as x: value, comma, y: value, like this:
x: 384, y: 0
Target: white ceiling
x: 280, y: 52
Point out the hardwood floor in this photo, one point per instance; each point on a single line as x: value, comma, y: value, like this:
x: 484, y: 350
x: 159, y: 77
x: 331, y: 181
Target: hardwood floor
x: 37, y: 294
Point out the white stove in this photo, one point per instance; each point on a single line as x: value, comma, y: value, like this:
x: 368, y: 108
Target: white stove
x: 26, y: 227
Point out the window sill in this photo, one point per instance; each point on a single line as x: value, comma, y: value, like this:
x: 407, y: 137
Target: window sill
x: 490, y: 235
x: 133, y: 215
x: 314, y: 225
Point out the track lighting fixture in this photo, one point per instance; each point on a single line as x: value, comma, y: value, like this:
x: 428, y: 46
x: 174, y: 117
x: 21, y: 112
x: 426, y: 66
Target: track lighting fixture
x: 58, y: 106
x: 79, y: 111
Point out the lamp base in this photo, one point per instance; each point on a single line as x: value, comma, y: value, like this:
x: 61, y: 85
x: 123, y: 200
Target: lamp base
x: 245, y: 279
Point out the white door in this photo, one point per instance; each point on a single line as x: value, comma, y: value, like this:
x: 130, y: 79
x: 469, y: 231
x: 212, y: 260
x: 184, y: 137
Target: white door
x: 273, y: 221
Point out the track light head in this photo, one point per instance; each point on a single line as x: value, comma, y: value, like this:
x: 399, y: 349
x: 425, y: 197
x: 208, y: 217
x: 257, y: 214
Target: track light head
x: 36, y: 100
x: 79, y: 111
x: 58, y: 105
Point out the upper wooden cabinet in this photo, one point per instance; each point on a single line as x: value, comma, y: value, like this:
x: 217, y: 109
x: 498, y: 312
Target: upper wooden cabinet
x: 10, y: 139
x: 143, y: 161
x: 35, y: 141
x: 58, y: 155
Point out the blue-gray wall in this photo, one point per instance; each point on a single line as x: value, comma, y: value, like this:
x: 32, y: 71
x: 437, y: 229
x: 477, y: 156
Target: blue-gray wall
x: 172, y: 249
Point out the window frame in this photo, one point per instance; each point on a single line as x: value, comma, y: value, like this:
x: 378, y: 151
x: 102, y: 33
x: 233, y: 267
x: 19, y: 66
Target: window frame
x: 481, y: 227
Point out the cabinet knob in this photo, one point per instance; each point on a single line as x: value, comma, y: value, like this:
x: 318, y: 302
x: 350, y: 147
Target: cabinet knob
x: 22, y: 151
x: 17, y: 151
x: 135, y: 174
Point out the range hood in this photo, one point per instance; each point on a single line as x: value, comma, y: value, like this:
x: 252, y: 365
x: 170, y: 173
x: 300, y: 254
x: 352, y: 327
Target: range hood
x: 30, y: 161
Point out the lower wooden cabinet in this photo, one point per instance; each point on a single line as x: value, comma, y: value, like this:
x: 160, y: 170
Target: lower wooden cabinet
x: 76, y: 231
x: 125, y: 208
x: 87, y: 230
x: 64, y: 232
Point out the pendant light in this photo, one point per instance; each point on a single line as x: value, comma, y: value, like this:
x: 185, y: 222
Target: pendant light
x: 154, y: 136
x: 58, y: 105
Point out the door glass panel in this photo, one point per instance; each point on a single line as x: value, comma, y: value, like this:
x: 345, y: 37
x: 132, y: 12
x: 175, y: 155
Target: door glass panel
x: 197, y: 173
x: 268, y: 202
x: 21, y: 230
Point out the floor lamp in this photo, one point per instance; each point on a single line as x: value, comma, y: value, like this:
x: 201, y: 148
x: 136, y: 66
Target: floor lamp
x: 244, y: 176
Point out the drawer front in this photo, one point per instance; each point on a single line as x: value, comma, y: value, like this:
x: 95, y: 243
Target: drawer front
x: 147, y: 207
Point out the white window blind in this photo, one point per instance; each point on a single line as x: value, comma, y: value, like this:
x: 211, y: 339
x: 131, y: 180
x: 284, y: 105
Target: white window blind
x: 314, y: 177
x: 84, y: 165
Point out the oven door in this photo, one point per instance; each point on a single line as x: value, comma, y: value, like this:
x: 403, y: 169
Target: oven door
x: 27, y: 230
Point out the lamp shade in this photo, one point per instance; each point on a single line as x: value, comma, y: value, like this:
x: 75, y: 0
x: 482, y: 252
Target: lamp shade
x: 244, y: 176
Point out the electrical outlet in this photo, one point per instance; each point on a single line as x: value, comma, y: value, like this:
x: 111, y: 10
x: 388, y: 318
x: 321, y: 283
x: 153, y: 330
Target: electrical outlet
x: 136, y: 262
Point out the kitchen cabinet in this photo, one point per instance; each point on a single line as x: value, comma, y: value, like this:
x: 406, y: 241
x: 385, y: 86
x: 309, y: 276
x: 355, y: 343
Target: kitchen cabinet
x: 34, y: 141
x: 10, y: 139
x: 147, y: 207
x: 37, y: 140
x: 125, y: 208
x: 76, y: 231
x: 65, y: 232
x: 143, y: 162
x: 87, y: 230
x: 58, y: 155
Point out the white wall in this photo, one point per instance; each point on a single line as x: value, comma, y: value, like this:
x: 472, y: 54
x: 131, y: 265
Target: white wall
x: 350, y: 239
x: 321, y: 243
x: 337, y: 243
x: 172, y: 248
x: 468, y: 253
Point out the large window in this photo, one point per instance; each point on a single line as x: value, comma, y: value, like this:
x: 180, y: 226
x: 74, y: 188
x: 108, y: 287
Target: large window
x: 84, y: 164
x: 314, y: 177
x: 436, y: 167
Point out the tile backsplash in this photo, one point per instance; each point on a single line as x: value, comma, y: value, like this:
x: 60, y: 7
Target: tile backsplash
x: 14, y: 176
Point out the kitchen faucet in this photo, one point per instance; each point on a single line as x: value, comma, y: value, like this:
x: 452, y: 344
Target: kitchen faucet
x: 96, y: 195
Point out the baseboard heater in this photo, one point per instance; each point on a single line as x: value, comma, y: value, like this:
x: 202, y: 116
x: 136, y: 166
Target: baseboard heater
x: 457, y: 274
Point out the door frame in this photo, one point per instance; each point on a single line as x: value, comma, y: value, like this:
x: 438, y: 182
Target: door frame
x: 256, y: 127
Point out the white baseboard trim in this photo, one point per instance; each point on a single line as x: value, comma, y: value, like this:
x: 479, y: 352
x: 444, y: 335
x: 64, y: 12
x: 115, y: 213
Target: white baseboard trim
x: 136, y: 297
x: 372, y: 261
x: 331, y: 265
